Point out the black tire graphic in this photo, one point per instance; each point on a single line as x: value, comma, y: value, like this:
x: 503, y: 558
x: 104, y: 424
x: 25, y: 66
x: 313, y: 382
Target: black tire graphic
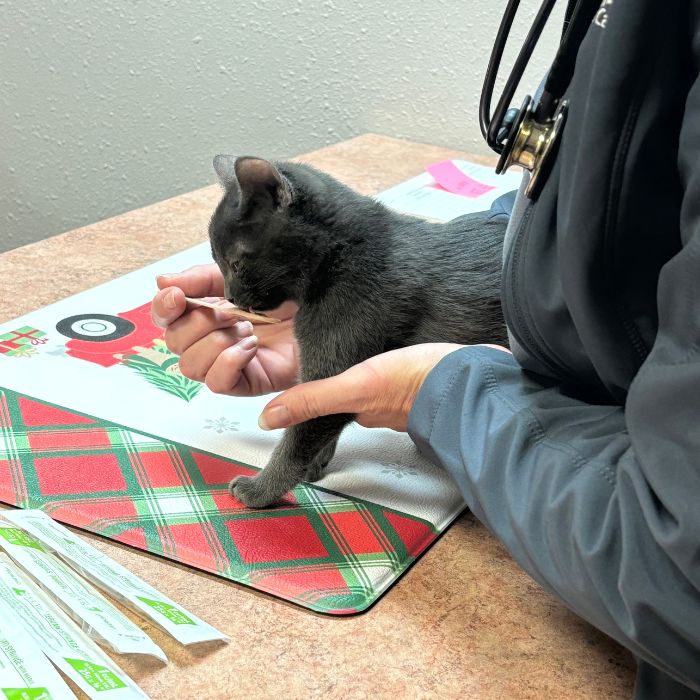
x: 95, y: 328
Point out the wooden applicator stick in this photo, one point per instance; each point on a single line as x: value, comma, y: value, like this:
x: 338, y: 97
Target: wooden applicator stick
x: 233, y: 311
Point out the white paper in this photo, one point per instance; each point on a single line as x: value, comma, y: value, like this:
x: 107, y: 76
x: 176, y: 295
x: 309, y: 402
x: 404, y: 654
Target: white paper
x: 99, y: 619
x: 115, y: 579
x: 60, y: 638
x: 418, y: 197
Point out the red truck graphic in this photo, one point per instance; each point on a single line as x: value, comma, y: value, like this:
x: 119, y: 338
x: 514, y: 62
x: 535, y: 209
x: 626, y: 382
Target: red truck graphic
x: 103, y: 338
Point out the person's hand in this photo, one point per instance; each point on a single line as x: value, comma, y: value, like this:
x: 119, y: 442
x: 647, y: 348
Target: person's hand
x: 380, y: 391
x: 231, y: 357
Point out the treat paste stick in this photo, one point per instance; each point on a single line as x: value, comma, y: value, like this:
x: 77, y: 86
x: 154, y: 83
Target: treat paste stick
x: 231, y: 310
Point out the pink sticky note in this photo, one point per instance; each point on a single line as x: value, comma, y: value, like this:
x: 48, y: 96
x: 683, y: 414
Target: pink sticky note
x: 451, y: 178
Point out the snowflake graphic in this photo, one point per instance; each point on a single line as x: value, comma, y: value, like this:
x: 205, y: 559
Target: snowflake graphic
x: 399, y: 470
x: 221, y: 425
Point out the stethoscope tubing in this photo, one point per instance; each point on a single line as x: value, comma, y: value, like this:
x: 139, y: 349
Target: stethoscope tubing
x: 491, y: 125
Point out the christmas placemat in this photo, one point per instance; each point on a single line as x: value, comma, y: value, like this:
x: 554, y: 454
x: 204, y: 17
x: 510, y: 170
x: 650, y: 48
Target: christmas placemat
x: 99, y: 429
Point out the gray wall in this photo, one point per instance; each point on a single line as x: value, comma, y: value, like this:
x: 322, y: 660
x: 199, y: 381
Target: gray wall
x: 107, y: 106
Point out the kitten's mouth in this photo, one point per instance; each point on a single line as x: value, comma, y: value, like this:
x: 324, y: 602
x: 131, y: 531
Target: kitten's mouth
x: 258, y: 303
x: 242, y: 305
x: 251, y: 309
x: 260, y: 312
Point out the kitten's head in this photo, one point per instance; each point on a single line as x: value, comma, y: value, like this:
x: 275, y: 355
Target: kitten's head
x: 256, y: 239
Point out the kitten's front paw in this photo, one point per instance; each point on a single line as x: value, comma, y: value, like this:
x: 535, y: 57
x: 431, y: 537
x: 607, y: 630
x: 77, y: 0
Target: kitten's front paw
x: 249, y: 491
x: 313, y: 472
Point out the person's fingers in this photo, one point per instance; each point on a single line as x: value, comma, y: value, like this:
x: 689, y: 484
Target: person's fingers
x: 167, y: 306
x: 196, y: 360
x: 183, y: 332
x: 340, y: 394
x: 225, y: 376
x: 197, y: 281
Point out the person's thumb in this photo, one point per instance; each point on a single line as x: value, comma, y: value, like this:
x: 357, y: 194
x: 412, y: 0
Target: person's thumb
x: 168, y: 305
x: 306, y: 401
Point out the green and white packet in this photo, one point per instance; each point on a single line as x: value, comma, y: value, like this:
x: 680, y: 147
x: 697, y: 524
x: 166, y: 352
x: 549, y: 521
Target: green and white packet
x: 25, y: 673
x: 61, y: 640
x: 112, y: 577
x: 98, y: 618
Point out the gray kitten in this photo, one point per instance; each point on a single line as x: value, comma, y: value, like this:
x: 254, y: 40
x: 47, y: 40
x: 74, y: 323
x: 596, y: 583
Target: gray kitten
x: 366, y: 280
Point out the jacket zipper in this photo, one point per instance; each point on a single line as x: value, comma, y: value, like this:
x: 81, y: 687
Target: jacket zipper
x: 513, y: 310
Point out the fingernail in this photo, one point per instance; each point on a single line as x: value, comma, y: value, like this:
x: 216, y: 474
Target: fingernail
x: 275, y: 417
x: 245, y: 327
x: 167, y: 275
x: 169, y: 300
x: 248, y: 343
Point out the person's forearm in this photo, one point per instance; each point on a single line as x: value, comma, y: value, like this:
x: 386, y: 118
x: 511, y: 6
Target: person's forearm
x: 557, y: 480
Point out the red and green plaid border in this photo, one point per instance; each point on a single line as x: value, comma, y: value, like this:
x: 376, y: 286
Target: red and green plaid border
x: 319, y: 549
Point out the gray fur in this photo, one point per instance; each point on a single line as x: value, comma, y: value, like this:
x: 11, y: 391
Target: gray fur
x: 366, y: 279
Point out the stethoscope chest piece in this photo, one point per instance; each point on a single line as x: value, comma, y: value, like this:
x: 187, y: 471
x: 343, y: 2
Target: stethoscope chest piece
x: 531, y: 144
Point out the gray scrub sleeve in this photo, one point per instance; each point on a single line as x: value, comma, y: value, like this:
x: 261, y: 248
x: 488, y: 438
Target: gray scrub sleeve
x: 599, y: 504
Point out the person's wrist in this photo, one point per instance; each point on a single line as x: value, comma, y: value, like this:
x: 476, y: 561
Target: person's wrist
x: 432, y: 388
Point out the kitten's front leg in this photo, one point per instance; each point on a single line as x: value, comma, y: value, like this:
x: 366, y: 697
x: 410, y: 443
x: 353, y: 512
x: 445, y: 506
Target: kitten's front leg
x: 314, y: 470
x: 331, y: 339
x: 303, y: 447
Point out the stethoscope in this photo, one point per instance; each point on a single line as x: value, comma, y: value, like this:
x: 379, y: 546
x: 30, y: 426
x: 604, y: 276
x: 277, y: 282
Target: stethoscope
x: 529, y: 136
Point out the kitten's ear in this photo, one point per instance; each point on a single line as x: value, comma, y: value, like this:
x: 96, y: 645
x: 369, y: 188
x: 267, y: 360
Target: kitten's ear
x: 261, y: 182
x: 225, y: 167
x: 258, y: 180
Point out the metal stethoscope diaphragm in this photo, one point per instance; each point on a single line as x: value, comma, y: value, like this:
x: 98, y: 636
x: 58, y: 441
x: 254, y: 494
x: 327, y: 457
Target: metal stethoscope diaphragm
x: 529, y: 136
